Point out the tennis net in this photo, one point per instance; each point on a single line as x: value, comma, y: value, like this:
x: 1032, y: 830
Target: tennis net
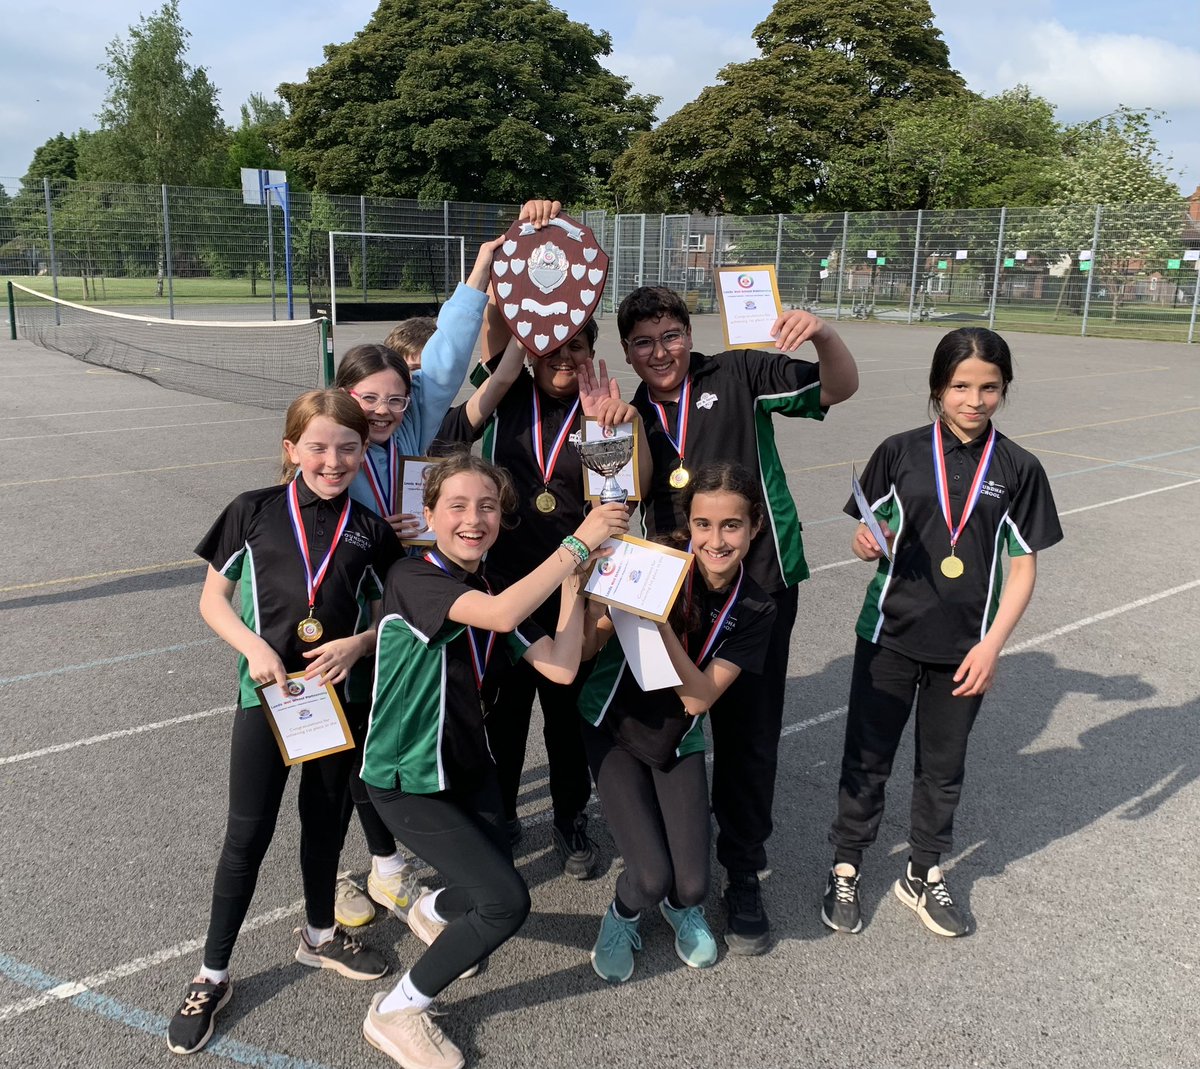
x: 266, y: 364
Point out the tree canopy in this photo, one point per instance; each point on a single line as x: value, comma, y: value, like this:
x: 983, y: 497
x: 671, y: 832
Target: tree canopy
x: 758, y: 141
x: 477, y: 100
x: 160, y: 121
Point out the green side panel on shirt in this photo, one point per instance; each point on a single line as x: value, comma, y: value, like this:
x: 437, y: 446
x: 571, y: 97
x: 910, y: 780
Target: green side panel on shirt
x: 892, y: 513
x: 598, y: 690
x: 998, y: 569
x: 479, y: 375
x: 781, y: 509
x: 243, y: 569
x: 407, y: 710
x: 489, y: 440
x: 693, y: 741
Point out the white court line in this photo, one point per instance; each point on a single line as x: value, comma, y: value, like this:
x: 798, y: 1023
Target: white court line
x: 136, y: 430
x: 73, y: 988
x: 1128, y: 497
x: 124, y: 733
x: 159, y: 957
x: 110, y: 411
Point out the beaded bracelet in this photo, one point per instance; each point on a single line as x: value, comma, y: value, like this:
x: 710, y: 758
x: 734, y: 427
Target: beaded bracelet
x: 577, y: 549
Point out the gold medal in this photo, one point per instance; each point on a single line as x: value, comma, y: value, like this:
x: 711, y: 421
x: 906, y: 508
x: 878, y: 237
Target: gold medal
x: 680, y: 477
x: 545, y: 502
x: 309, y: 629
x: 952, y: 567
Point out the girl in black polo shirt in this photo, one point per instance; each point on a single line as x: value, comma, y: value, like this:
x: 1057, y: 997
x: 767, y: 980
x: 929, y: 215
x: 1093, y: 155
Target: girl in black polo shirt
x: 426, y: 763
x: 646, y: 748
x: 306, y: 558
x: 949, y: 498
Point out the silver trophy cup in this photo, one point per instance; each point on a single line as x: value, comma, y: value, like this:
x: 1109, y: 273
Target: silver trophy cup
x: 607, y: 457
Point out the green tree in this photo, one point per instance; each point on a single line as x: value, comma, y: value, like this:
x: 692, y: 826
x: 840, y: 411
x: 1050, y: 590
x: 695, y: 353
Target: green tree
x: 255, y: 142
x: 477, y: 100
x: 55, y: 158
x: 758, y: 141
x: 160, y: 122
x: 954, y: 151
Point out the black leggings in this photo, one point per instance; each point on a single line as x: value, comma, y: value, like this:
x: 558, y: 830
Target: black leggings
x: 882, y: 689
x: 659, y: 820
x: 257, y: 777
x: 379, y: 840
x: 461, y: 834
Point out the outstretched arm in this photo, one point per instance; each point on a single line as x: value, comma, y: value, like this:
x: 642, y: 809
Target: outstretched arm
x: 839, y: 373
x: 483, y: 402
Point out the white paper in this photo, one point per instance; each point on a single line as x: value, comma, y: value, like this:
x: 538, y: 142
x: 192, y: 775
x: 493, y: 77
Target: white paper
x: 872, y: 253
x: 305, y: 715
x: 412, y: 499
x: 1021, y: 254
x: 593, y: 432
x: 749, y: 305
x: 641, y: 578
x: 960, y: 254
x: 645, y: 652
x: 824, y: 274
x: 1191, y: 254
x: 1085, y: 254
x: 868, y: 517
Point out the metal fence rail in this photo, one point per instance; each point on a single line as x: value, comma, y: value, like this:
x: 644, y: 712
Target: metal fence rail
x: 1125, y: 271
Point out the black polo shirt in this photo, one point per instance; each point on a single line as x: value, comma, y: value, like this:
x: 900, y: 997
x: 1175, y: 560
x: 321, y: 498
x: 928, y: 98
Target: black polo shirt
x: 508, y: 441
x: 253, y: 541
x: 734, y: 396
x: 426, y: 731
x: 653, y: 725
x: 910, y: 606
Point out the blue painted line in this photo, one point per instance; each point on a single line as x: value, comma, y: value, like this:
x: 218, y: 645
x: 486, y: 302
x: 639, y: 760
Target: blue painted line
x: 151, y: 1023
x: 106, y: 661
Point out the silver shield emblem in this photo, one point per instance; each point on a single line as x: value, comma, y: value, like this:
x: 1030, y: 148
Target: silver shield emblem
x: 548, y: 267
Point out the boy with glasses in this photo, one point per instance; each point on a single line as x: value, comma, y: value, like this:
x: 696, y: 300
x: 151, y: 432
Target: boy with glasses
x: 697, y: 410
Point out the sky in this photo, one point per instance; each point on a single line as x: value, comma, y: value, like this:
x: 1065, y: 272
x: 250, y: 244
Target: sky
x: 1085, y: 56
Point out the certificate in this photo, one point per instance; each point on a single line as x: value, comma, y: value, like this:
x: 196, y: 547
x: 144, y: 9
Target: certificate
x: 640, y: 577
x: 868, y: 517
x: 645, y: 652
x: 749, y: 298
x: 412, y: 497
x: 629, y: 477
x: 306, y: 718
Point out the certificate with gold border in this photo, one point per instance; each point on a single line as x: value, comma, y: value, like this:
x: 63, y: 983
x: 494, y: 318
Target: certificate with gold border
x: 412, y: 497
x: 641, y: 577
x: 306, y: 718
x: 750, y: 304
x: 629, y: 478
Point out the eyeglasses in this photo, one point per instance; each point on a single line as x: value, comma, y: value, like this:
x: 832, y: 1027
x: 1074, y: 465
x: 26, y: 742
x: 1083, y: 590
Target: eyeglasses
x: 672, y: 341
x: 397, y: 402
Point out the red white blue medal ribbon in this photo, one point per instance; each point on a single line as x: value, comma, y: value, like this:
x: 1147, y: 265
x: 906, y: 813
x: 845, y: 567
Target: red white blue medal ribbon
x: 715, y: 632
x: 544, y: 466
x: 943, y: 488
x: 384, y: 487
x: 313, y: 581
x: 479, y: 662
x: 681, y: 429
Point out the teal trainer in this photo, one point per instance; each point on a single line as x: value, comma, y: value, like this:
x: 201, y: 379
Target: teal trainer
x: 612, y: 956
x: 694, y: 941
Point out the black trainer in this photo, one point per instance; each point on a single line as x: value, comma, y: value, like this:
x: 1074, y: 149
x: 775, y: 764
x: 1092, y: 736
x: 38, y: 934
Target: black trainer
x: 748, y: 929
x: 577, y: 851
x: 342, y: 953
x: 840, y: 909
x: 192, y: 1025
x: 930, y: 900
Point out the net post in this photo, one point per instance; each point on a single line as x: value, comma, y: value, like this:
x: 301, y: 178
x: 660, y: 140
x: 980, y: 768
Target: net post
x: 50, y: 237
x: 12, y: 314
x: 167, y: 255
x: 327, y: 351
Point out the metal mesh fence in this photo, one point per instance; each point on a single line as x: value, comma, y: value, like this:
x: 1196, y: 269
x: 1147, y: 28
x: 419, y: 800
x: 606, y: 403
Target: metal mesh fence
x: 1118, y: 271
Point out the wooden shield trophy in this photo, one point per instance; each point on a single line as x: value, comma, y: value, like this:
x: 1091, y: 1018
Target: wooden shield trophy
x: 548, y: 282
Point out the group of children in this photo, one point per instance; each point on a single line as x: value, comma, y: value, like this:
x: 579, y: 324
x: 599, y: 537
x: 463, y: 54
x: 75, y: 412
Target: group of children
x: 437, y: 656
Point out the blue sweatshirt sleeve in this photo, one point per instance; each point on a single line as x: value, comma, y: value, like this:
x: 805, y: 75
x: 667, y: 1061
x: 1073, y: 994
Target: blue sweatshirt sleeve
x: 444, y: 363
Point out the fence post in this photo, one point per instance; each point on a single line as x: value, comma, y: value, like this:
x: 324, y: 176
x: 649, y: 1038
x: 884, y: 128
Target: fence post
x: 53, y: 258
x: 1195, y: 305
x: 362, y: 241
x: 842, y: 263
x: 167, y: 256
x: 446, y: 251
x: 1091, y: 272
x: 912, y: 285
x: 778, y: 246
x: 12, y: 315
x: 327, y: 352
x: 996, y: 271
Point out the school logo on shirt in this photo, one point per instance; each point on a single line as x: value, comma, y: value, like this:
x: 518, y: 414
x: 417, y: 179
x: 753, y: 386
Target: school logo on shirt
x: 361, y: 541
x: 992, y: 489
x: 706, y: 400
